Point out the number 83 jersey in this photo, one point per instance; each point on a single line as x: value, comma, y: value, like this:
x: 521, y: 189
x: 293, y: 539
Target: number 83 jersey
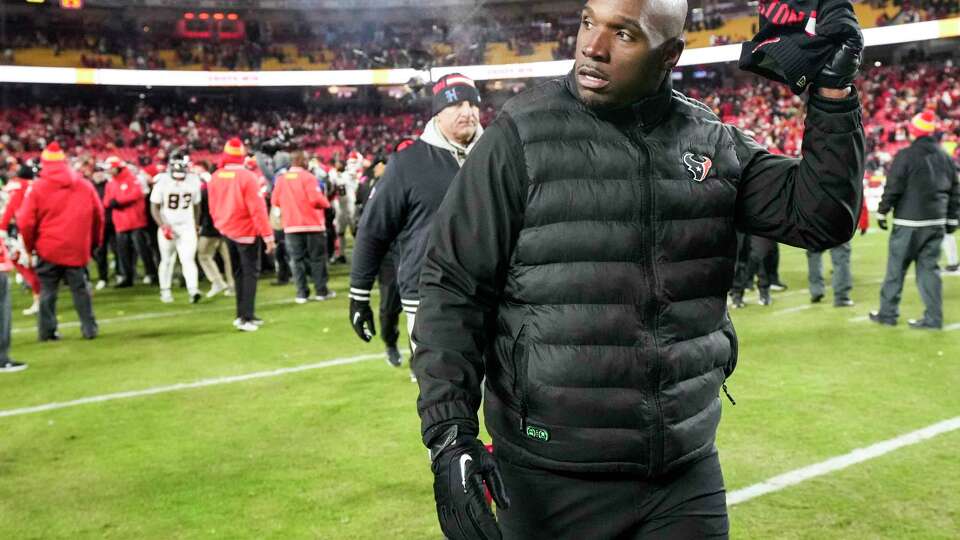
x: 176, y: 198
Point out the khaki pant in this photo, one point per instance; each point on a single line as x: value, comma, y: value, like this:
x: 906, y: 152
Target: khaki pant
x: 207, y: 248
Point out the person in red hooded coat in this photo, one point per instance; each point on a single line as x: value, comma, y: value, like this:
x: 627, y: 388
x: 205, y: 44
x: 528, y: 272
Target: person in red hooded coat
x: 124, y: 195
x: 240, y: 214
x: 61, y: 220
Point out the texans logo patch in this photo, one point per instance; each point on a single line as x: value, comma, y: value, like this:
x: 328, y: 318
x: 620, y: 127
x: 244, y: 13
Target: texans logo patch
x: 697, y: 166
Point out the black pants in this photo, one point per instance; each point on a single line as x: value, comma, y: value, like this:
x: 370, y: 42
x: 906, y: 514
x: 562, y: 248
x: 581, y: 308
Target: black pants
x: 741, y: 277
x: 390, y: 307
x: 308, y: 255
x: 281, y: 257
x: 102, y: 252
x: 762, y: 261
x: 329, y: 215
x: 688, y: 504
x: 246, y: 270
x: 129, y: 245
x: 50, y: 276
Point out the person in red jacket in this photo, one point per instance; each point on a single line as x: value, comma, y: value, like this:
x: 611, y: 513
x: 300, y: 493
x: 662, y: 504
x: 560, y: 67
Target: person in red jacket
x: 16, y: 189
x: 61, y: 219
x: 301, y: 202
x: 240, y: 214
x: 125, y: 196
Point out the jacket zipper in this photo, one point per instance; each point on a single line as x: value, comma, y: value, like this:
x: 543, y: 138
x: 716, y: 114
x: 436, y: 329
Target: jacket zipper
x: 520, y: 377
x: 650, y: 309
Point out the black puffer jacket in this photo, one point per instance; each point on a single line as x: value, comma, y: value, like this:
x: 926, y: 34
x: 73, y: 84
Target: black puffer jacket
x: 922, y: 187
x: 582, y: 261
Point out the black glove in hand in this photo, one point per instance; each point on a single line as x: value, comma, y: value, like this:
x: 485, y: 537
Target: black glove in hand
x: 840, y: 70
x: 113, y: 204
x: 361, y: 318
x: 460, y: 470
x: 882, y: 221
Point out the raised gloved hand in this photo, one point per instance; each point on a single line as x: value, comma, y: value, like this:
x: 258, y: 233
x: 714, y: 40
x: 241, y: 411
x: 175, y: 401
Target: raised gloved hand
x: 361, y: 317
x: 461, y: 467
x: 882, y: 221
x: 840, y: 70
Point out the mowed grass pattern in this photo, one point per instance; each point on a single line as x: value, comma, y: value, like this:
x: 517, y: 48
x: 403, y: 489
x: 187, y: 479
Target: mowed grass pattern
x: 335, y: 452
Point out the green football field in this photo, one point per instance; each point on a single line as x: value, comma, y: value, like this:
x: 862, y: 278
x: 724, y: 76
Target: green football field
x: 332, y: 450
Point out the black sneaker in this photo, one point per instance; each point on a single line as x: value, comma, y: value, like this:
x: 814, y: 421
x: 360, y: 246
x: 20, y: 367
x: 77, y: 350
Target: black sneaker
x: 394, y: 358
x: 765, y: 299
x: 54, y: 337
x: 923, y: 324
x: 10, y: 366
x: 815, y: 299
x: 736, y: 301
x: 875, y: 317
x: 846, y: 302
x: 195, y: 298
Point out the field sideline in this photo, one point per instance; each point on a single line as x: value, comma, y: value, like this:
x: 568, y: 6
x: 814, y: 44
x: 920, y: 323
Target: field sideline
x: 320, y: 450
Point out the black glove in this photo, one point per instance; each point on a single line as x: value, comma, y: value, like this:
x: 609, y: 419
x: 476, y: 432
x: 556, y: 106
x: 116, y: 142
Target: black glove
x: 840, y: 70
x: 361, y: 318
x: 882, y: 221
x: 461, y: 466
x: 113, y: 204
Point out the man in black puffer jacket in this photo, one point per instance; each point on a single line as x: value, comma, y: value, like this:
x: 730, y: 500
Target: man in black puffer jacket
x: 580, y: 262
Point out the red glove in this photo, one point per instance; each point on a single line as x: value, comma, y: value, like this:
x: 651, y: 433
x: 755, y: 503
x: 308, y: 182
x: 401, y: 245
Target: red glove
x: 167, y: 232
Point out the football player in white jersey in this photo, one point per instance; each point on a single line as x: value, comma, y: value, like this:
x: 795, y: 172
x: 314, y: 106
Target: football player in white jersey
x: 175, y: 205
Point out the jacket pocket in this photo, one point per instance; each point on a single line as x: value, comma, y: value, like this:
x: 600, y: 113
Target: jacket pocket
x: 731, y: 334
x: 519, y: 360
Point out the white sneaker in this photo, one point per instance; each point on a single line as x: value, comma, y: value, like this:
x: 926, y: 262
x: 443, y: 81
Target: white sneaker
x: 413, y: 378
x: 216, y: 289
x: 101, y: 285
x: 166, y: 297
x: 247, y: 326
x: 229, y: 292
x: 300, y: 300
x: 147, y: 280
x: 237, y: 322
x: 32, y: 310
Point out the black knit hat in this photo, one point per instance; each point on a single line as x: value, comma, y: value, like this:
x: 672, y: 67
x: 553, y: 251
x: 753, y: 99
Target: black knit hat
x: 452, y: 89
x: 28, y: 171
x: 797, y: 38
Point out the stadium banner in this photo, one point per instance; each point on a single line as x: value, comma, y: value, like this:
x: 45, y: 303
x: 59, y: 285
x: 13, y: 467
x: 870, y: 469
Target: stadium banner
x: 885, y: 35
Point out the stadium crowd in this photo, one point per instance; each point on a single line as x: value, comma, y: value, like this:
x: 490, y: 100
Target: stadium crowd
x: 361, y: 45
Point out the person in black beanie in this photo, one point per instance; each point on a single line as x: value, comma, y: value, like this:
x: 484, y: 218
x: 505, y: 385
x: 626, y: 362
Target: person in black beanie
x: 401, y: 207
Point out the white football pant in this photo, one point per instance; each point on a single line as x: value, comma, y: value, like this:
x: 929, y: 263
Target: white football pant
x: 184, y: 245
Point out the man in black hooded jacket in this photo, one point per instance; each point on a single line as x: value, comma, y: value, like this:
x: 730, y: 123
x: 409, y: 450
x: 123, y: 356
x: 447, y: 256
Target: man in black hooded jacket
x: 580, y: 264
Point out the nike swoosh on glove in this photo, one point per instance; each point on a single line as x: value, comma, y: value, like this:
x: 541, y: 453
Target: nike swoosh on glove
x: 361, y: 319
x: 460, y: 472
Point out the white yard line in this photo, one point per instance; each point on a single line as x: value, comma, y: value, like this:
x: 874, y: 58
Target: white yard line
x: 838, y: 463
x: 187, y: 386
x: 792, y: 310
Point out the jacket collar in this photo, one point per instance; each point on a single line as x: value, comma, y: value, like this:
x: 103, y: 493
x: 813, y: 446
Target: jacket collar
x: 647, y: 112
x: 434, y: 137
